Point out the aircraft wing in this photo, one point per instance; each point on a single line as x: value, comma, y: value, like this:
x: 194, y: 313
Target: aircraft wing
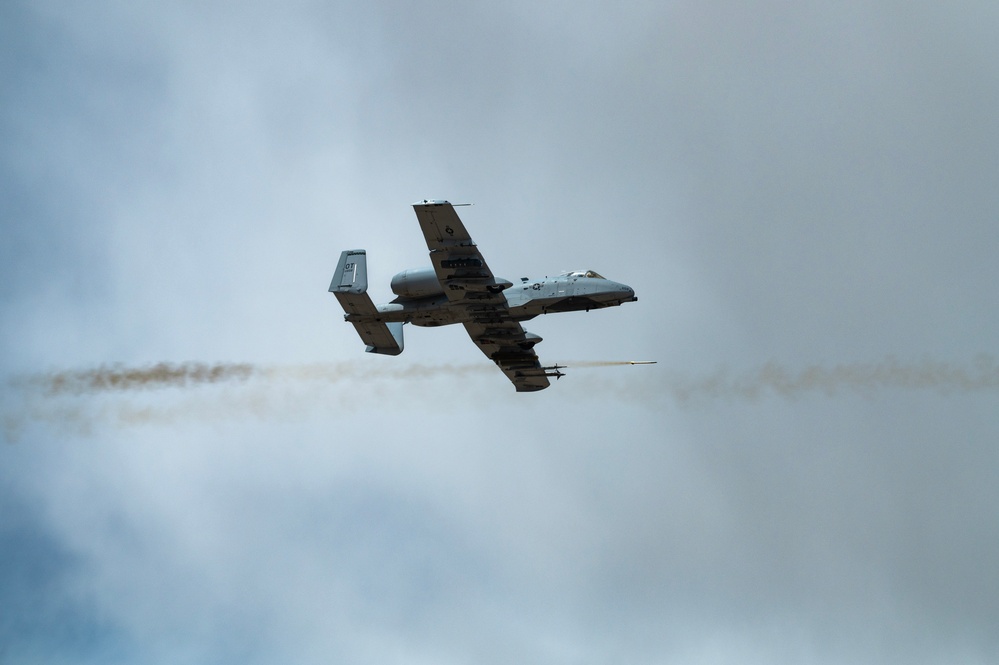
x: 460, y: 268
x: 469, y: 283
x: 505, y: 343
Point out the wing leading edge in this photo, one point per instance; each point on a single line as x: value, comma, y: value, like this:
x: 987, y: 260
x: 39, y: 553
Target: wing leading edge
x: 470, y: 284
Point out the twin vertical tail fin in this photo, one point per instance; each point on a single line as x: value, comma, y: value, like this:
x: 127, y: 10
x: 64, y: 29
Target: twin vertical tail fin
x: 351, y: 276
x: 350, y: 286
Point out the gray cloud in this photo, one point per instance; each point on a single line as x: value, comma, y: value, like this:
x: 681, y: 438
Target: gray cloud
x: 802, y: 198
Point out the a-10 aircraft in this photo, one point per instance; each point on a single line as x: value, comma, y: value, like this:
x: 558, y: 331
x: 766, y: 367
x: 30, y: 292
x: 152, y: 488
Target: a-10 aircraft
x: 460, y: 288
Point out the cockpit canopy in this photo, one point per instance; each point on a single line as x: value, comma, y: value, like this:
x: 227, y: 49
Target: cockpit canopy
x: 592, y: 274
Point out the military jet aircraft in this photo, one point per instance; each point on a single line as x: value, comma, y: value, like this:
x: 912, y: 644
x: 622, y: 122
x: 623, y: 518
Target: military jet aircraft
x: 460, y: 288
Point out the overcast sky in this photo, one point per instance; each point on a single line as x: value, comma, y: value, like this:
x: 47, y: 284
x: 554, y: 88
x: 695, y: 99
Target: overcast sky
x: 803, y: 195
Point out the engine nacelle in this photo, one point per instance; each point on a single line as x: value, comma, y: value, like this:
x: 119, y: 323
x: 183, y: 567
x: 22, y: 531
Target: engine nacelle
x: 417, y: 283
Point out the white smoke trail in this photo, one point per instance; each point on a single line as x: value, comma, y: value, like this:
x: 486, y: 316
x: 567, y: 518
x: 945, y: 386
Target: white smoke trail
x: 119, y: 378
x: 123, y: 379
x: 77, y: 401
x: 167, y: 393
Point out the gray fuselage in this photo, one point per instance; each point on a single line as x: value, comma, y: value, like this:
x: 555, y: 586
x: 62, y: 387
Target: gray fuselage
x: 574, y: 291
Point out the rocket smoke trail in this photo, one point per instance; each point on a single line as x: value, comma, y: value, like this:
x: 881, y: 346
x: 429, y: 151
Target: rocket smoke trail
x: 891, y: 373
x: 77, y: 400
x: 59, y: 397
x: 118, y: 378
x: 121, y: 379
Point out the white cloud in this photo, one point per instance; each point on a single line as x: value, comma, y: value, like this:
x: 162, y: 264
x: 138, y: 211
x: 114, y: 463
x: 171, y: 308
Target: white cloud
x: 804, y: 185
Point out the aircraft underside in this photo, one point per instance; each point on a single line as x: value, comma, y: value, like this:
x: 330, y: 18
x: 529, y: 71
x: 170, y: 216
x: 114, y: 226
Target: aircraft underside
x: 460, y: 288
x: 439, y: 312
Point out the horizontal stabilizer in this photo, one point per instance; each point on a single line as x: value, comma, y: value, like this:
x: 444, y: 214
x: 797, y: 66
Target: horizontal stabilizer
x: 350, y: 286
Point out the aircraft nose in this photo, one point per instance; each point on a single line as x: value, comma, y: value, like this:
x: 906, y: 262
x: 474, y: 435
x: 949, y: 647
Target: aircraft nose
x: 626, y: 293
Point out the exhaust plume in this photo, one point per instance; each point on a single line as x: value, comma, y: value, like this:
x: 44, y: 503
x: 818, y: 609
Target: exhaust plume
x: 169, y: 393
x: 117, y: 378
x: 609, y: 363
x: 890, y: 373
x: 123, y: 379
